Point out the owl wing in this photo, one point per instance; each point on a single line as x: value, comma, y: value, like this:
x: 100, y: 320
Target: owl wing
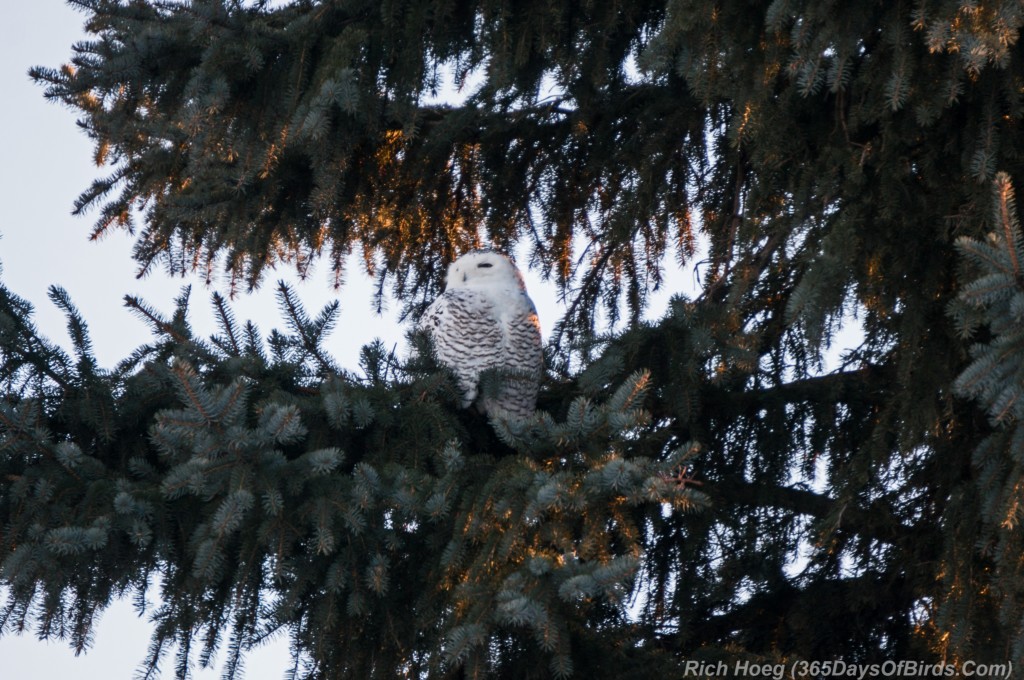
x: 467, y: 337
x: 522, y: 363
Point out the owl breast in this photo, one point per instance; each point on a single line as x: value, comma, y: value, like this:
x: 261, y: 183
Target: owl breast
x: 489, y: 329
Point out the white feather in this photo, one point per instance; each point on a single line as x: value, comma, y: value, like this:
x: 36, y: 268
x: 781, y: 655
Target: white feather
x: 485, y: 320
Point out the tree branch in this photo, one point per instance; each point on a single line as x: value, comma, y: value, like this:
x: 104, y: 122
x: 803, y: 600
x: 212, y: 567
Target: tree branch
x: 874, y: 521
x: 864, y: 384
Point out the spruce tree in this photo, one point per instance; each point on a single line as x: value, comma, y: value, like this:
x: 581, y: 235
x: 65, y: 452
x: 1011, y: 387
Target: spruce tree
x: 698, y: 488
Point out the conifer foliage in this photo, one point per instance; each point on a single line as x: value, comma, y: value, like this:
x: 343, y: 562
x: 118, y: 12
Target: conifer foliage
x: 994, y: 300
x: 836, y: 159
x: 264, y: 492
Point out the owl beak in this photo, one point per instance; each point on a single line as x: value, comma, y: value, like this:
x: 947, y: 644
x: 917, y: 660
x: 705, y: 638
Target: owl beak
x: 463, y: 278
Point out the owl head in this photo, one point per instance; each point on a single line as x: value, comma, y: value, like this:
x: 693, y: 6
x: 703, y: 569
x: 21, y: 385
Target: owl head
x: 483, y: 268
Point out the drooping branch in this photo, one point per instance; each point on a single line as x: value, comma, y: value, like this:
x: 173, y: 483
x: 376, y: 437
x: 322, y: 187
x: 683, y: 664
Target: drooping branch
x: 863, y: 385
x: 772, y: 619
x: 874, y: 521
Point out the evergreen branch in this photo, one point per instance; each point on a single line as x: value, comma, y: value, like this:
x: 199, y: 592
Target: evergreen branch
x: 983, y: 254
x: 27, y: 346
x: 865, y: 384
x: 31, y: 436
x: 159, y: 324
x: 582, y: 301
x: 752, y: 267
x: 226, y: 319
x: 787, y: 602
x: 253, y: 342
x: 37, y: 353
x: 279, y: 134
x: 875, y: 521
x: 77, y: 328
x: 309, y: 332
x: 191, y: 390
x: 1007, y: 217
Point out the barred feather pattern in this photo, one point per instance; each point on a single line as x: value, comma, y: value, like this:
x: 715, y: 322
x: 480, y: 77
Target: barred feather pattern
x: 485, y: 321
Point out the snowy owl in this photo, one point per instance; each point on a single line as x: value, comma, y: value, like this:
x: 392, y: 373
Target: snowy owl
x: 485, y: 320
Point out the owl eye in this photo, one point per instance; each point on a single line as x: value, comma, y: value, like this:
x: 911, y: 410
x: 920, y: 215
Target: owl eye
x: 485, y: 265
